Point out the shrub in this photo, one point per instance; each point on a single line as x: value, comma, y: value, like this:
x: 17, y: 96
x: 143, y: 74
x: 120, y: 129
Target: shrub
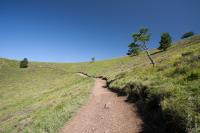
x: 92, y: 59
x: 24, y: 63
x: 187, y: 34
x: 174, y: 120
x: 193, y: 76
x: 181, y: 70
x: 187, y: 54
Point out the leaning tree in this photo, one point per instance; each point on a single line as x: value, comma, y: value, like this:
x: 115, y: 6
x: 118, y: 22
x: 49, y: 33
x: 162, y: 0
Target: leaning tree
x: 141, y: 38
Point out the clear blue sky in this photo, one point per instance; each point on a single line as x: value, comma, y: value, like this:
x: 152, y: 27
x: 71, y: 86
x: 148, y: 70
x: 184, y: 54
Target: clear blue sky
x: 76, y: 30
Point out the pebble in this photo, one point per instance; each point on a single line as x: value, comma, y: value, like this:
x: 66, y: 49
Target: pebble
x: 107, y: 105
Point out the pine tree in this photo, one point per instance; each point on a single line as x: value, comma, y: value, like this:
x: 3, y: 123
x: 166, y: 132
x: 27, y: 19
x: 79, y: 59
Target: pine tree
x: 165, y: 41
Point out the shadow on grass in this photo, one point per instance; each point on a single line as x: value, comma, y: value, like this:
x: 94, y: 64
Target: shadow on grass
x: 155, y: 120
x: 152, y: 119
x: 156, y: 52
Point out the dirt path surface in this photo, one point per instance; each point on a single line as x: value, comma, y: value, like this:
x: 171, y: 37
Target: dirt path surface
x: 105, y: 112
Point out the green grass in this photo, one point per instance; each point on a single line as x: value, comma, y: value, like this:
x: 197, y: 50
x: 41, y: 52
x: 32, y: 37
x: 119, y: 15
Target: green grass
x: 38, y: 99
x: 44, y: 96
x: 173, y: 86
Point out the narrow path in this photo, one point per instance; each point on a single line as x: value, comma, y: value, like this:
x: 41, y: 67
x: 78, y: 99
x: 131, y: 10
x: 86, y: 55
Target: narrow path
x: 105, y: 112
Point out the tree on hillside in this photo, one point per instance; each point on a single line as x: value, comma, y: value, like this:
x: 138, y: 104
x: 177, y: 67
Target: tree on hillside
x: 92, y: 59
x: 134, y: 49
x: 24, y: 63
x: 141, y: 38
x: 187, y: 34
x: 165, y: 41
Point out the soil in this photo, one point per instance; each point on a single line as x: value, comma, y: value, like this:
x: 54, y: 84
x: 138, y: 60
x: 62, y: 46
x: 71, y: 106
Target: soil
x: 105, y: 112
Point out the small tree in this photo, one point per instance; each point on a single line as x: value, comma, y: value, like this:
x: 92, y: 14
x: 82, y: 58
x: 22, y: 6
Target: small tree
x: 24, y: 63
x: 141, y: 38
x: 134, y: 49
x: 165, y: 41
x: 92, y: 59
x: 187, y: 34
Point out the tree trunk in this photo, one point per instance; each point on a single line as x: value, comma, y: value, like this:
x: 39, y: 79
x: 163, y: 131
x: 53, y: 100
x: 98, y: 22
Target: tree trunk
x: 149, y: 56
x: 152, y: 62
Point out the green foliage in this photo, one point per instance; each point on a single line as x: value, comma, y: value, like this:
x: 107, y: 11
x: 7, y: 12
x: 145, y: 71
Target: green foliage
x: 193, y: 76
x: 187, y: 34
x: 134, y: 49
x: 44, y: 97
x: 136, y: 91
x: 173, y: 90
x: 165, y: 41
x: 24, y: 63
x: 168, y: 93
x: 140, y: 39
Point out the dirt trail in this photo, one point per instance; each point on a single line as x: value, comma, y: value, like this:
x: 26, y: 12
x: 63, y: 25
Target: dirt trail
x: 105, y: 112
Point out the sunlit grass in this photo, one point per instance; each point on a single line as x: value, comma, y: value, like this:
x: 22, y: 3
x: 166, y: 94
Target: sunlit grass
x: 38, y: 99
x: 44, y: 96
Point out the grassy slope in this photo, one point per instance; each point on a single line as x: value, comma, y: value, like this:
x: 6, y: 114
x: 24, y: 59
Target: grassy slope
x: 42, y: 97
x: 38, y: 99
x: 171, y: 87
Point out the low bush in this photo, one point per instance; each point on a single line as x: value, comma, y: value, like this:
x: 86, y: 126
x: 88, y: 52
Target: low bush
x: 136, y: 91
x: 24, y: 63
x: 193, y: 76
x: 186, y: 54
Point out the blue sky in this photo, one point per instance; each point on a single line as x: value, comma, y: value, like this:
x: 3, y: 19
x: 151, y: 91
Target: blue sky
x: 76, y: 30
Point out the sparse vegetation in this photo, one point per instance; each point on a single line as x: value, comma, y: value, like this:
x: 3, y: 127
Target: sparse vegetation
x: 167, y: 96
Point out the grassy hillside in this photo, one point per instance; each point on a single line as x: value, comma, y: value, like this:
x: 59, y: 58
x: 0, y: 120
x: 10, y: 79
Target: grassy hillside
x: 38, y: 99
x: 44, y: 96
x: 168, y: 96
